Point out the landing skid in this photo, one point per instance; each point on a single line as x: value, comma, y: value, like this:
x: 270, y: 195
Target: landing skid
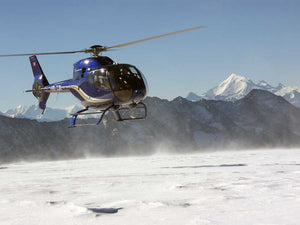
x: 119, y: 113
x: 82, y: 113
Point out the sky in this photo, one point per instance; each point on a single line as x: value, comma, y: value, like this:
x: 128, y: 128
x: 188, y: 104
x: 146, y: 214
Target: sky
x: 258, y: 39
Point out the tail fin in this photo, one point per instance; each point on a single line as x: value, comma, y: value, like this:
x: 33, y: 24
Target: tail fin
x: 40, y: 81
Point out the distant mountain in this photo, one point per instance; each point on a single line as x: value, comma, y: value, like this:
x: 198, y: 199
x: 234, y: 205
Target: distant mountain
x: 259, y: 120
x: 291, y: 94
x: 33, y: 112
x: 236, y: 87
x: 193, y: 97
x: 233, y: 88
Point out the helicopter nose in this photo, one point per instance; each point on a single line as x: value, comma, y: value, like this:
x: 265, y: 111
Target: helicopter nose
x: 139, y: 94
x: 146, y: 89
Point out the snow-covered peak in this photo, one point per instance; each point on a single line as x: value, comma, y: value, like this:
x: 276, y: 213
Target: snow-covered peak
x: 264, y: 85
x: 233, y: 84
x: 51, y: 114
x: 22, y: 111
x: 33, y: 112
x: 21, y: 108
x: 292, y: 94
x: 234, y: 87
x: 234, y: 77
x: 279, y: 86
x: 286, y: 90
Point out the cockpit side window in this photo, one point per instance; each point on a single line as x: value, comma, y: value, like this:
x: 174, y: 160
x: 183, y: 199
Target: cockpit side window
x: 98, y: 78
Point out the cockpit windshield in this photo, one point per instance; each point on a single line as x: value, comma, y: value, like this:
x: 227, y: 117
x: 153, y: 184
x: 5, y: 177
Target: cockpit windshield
x: 99, y: 79
x: 124, y: 79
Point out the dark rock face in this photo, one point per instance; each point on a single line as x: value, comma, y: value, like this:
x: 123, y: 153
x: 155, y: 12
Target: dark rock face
x: 259, y: 120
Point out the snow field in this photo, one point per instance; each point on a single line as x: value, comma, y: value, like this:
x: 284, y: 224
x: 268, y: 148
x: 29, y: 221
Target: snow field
x: 238, y: 187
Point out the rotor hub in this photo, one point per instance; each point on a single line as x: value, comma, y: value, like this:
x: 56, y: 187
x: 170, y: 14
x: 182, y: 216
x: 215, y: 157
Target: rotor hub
x: 95, y: 50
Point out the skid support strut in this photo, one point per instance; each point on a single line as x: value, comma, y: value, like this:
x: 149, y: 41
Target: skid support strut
x: 82, y: 113
x: 124, y: 113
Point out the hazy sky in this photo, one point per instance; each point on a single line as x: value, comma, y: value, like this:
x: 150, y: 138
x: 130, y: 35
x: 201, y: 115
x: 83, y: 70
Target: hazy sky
x: 258, y: 39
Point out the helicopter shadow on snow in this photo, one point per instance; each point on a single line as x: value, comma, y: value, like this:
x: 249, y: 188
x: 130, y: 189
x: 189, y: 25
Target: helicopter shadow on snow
x: 97, y: 210
x: 104, y: 210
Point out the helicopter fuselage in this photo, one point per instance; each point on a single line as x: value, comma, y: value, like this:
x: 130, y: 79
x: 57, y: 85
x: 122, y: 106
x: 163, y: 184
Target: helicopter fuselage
x: 98, y: 82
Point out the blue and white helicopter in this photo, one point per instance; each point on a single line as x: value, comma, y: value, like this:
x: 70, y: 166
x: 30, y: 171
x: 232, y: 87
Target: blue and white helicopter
x: 98, y: 82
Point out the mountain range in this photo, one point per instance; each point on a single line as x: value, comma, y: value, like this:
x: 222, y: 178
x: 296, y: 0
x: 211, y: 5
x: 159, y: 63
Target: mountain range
x: 233, y: 88
x: 236, y: 87
x: 259, y: 120
x: 33, y: 112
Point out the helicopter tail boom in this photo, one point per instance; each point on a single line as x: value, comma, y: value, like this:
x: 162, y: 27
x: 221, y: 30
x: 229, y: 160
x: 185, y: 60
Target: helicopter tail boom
x: 40, y: 81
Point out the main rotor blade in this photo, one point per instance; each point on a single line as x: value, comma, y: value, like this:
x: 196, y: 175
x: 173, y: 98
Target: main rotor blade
x: 43, y: 53
x: 155, y: 37
x: 97, y: 49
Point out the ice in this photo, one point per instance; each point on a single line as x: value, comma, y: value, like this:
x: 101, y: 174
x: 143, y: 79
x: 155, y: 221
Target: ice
x: 237, y: 187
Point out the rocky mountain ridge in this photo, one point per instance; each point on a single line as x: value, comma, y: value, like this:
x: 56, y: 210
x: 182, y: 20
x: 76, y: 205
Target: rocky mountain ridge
x: 259, y: 120
x: 233, y: 88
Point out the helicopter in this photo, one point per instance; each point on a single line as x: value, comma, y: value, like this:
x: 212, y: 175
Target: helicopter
x: 99, y: 83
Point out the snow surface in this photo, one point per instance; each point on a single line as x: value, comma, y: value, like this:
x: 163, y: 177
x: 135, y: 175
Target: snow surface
x: 238, y: 187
